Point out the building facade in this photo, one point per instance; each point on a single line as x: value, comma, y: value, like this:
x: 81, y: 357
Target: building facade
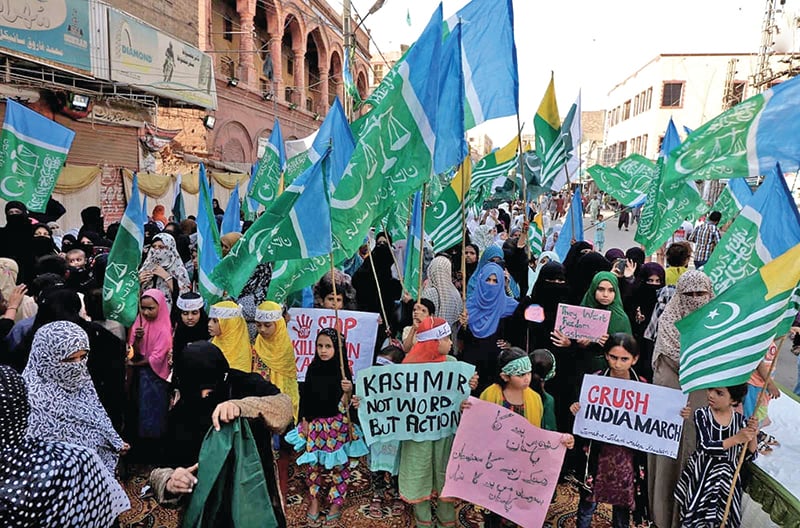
x: 691, y: 89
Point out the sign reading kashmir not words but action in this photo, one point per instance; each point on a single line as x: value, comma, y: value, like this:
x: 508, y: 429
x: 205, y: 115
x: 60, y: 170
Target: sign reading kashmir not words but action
x: 631, y: 414
x: 581, y: 322
x: 358, y: 328
x: 502, y: 462
x: 412, y: 402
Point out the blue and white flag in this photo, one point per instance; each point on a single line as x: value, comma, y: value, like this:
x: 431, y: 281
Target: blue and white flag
x: 489, y: 59
x: 230, y: 221
x: 451, y: 147
x: 573, y: 226
x: 209, y: 250
x: 768, y: 226
x: 33, y: 150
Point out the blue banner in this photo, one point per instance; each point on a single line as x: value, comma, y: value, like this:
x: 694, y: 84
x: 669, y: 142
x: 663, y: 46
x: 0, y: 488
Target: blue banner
x: 55, y: 31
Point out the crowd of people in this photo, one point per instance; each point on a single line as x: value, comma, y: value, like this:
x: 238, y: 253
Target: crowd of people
x: 83, y: 396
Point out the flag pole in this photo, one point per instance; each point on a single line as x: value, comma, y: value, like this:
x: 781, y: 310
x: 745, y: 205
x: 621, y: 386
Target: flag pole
x: 378, y: 289
x: 464, y: 228
x: 523, y: 184
x: 759, y: 404
x: 421, y: 240
x: 342, y: 351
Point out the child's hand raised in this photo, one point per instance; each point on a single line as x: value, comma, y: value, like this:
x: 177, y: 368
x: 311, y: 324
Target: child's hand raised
x: 355, y: 402
x: 752, y: 423
x: 567, y: 440
x: 473, y: 382
x: 686, y: 412
x: 466, y: 404
x: 347, y: 386
x: 575, y: 408
x: 139, y: 333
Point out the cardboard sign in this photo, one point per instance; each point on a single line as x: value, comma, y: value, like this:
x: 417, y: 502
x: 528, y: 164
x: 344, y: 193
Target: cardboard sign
x: 632, y: 414
x: 359, y: 329
x: 502, y: 462
x: 419, y: 401
x: 580, y: 322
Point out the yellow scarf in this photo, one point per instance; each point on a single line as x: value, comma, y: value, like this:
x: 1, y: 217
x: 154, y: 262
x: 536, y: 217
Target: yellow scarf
x: 532, y: 401
x: 233, y: 340
x: 278, y: 355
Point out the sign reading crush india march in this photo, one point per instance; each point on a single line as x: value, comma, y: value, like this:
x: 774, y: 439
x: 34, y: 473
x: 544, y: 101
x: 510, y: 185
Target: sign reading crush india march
x: 631, y: 414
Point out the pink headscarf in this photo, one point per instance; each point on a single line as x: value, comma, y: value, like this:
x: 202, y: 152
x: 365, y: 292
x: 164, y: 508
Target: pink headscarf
x: 157, y: 341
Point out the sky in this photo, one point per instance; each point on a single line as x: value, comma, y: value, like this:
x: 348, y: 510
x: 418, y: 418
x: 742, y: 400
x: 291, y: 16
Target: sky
x: 590, y: 45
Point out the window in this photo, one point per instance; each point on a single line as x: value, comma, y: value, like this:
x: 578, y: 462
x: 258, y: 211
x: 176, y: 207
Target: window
x: 227, y: 33
x: 738, y: 92
x: 644, y: 145
x: 636, y: 107
x: 623, y: 150
x: 648, y: 99
x: 287, y: 94
x: 309, y: 104
x: 626, y: 110
x: 290, y: 65
x: 227, y: 67
x: 672, y: 94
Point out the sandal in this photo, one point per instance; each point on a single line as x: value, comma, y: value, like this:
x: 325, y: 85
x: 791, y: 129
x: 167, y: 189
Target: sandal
x: 313, y: 521
x: 375, y: 507
x: 333, y: 517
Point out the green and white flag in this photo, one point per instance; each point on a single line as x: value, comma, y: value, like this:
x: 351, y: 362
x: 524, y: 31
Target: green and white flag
x: 768, y: 226
x: 393, y: 158
x: 536, y: 234
x: 550, y: 147
x: 489, y: 168
x: 121, y: 283
x: 723, y: 342
x: 443, y: 222
x: 270, y: 167
x: 628, y: 181
x: 732, y: 199
x: 33, y: 150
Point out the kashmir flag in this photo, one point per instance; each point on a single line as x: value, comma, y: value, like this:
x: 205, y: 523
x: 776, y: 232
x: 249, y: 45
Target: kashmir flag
x: 121, y: 283
x: 768, y: 226
x: 723, y: 342
x: 746, y: 140
x: 392, y: 159
x: 732, y: 199
x: 494, y: 165
x: 208, y: 246
x: 668, y: 203
x: 489, y: 60
x: 443, y: 220
x: 536, y: 234
x: 270, y: 167
x: 33, y: 149
x: 231, y: 219
x: 350, y: 86
x: 573, y: 226
x: 571, y: 133
x: 178, y: 209
x: 628, y: 181
x: 413, y: 248
x: 550, y: 147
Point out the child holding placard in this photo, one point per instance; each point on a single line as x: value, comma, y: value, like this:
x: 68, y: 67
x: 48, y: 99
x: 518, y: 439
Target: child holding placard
x: 614, y: 474
x: 722, y: 433
x: 513, y: 392
x: 324, y: 434
x: 423, y: 464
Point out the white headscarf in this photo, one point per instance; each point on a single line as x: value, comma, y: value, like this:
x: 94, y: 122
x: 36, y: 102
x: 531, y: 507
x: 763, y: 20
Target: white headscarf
x: 441, y: 291
x: 64, y: 403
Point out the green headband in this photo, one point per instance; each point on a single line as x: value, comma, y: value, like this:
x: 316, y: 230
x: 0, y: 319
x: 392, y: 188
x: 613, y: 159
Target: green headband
x: 517, y: 367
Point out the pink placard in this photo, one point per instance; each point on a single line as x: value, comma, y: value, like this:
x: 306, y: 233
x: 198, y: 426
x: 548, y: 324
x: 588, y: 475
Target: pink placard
x: 502, y: 462
x: 580, y: 322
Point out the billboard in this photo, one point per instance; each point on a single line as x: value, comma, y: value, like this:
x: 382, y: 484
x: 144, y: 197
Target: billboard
x: 157, y: 63
x: 52, y: 31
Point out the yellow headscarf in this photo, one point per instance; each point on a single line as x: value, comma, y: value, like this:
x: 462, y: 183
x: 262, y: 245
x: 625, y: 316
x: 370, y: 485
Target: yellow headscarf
x: 277, y: 352
x: 233, y: 340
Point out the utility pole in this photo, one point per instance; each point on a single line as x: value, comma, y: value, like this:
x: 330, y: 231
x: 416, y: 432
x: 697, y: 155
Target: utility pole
x: 348, y: 49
